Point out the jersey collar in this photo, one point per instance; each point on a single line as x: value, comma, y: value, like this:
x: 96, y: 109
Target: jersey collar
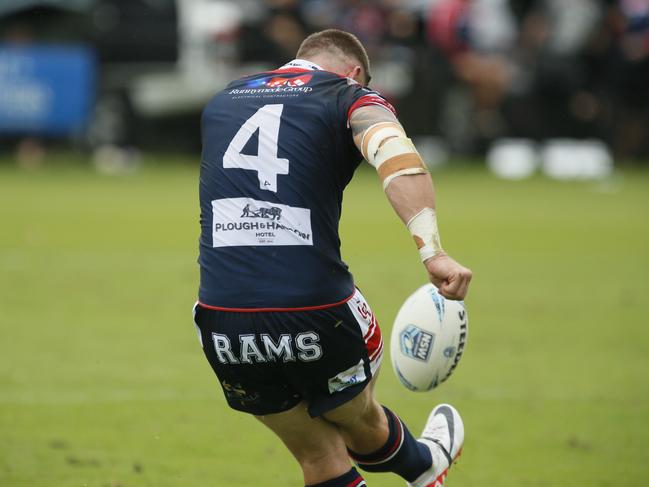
x: 303, y: 64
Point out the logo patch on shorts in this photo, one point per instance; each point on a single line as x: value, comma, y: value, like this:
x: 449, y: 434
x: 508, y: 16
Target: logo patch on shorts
x: 416, y: 343
x: 347, y: 378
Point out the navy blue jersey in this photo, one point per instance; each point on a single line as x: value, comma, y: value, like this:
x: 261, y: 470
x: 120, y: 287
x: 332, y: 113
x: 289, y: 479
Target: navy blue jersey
x: 277, y: 155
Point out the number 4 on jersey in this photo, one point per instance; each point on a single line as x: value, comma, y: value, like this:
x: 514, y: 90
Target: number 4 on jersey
x: 266, y: 162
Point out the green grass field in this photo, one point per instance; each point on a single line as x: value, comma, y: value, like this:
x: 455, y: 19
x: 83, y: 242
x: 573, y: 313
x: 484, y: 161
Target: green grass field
x: 103, y: 384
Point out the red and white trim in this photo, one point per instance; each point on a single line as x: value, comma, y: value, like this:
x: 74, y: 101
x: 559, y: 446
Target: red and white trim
x: 369, y: 327
x: 394, y: 449
x: 258, y: 310
x: 357, y: 483
x: 371, y: 99
x: 298, y: 66
x: 198, y: 330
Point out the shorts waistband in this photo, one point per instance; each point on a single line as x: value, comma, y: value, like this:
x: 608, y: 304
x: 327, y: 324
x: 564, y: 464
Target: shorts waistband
x: 265, y: 310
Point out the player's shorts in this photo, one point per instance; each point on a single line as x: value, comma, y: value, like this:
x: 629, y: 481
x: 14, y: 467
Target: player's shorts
x: 269, y: 361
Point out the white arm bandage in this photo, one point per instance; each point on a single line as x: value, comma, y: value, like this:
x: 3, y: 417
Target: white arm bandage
x: 423, y: 228
x: 377, y: 133
x: 386, y: 147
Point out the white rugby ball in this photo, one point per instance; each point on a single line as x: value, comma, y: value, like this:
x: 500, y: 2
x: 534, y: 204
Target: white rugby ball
x: 428, y: 338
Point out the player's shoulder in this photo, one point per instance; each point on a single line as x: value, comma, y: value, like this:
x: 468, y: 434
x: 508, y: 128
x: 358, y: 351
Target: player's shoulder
x: 363, y: 96
x: 353, y: 95
x: 343, y: 94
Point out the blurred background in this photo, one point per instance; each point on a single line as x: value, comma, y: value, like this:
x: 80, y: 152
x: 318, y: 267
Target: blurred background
x: 542, y: 81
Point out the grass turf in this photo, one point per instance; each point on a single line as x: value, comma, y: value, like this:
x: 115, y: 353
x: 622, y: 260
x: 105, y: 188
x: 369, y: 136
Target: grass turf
x: 102, y: 383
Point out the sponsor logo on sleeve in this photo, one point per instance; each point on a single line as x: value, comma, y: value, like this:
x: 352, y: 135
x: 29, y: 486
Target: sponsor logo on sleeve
x: 248, y: 222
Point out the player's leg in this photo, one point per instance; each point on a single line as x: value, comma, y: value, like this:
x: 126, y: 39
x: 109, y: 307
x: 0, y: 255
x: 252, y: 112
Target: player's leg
x: 317, y: 446
x: 262, y: 390
x: 377, y: 439
x: 362, y: 422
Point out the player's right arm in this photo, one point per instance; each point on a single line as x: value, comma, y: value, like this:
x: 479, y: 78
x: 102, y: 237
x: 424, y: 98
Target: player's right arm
x: 409, y: 188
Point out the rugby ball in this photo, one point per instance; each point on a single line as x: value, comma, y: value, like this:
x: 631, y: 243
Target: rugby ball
x: 428, y: 338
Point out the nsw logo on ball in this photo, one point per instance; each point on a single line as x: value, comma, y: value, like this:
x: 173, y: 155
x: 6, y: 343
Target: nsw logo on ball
x: 416, y: 343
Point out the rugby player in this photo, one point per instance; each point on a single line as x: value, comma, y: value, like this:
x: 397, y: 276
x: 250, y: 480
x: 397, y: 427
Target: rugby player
x: 290, y: 338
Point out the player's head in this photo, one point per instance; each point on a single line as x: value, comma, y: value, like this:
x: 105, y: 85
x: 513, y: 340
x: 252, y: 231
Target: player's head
x: 337, y: 51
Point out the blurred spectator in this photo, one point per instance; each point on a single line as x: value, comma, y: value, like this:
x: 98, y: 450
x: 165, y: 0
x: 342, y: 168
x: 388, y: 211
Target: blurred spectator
x: 274, y: 37
x: 478, y: 37
x: 628, y: 77
x: 470, y: 71
x: 543, y: 69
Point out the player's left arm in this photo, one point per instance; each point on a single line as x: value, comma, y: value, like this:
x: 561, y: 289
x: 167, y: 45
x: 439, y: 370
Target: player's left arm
x: 409, y: 188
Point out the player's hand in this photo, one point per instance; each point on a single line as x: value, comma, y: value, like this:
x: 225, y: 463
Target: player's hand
x: 451, y: 278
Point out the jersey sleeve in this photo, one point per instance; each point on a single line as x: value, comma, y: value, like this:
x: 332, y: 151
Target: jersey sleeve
x: 362, y: 97
x: 352, y: 96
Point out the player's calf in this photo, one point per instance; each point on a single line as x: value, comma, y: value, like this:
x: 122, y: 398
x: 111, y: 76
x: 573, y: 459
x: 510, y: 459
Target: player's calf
x: 377, y: 440
x: 401, y: 453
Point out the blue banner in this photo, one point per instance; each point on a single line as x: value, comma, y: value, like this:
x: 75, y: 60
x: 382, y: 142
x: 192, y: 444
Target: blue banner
x: 45, y: 89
